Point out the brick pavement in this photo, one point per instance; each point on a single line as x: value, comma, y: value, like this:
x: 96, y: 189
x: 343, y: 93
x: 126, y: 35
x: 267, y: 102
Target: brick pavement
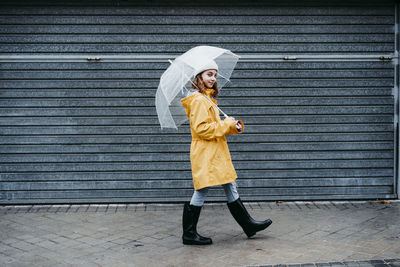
x: 359, y: 233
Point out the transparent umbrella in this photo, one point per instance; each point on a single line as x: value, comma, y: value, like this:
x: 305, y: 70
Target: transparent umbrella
x: 177, y: 80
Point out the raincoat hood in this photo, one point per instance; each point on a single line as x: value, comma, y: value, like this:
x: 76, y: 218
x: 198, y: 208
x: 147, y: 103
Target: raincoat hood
x: 186, y: 102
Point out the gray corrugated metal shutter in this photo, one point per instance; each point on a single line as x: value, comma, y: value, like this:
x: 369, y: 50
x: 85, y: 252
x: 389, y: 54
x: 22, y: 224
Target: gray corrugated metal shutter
x: 319, y: 127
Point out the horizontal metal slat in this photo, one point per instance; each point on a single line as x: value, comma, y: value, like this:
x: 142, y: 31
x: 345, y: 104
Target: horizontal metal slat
x: 139, y: 121
x: 193, y: 29
x: 201, y: 4
x: 160, y: 63
x: 333, y: 174
x: 185, y: 165
x: 130, y: 130
x: 199, y: 10
x: 174, y: 148
x: 234, y: 111
x: 235, y: 84
x: 328, y: 48
x: 127, y: 158
x: 195, y: 19
x: 184, y: 184
x: 152, y: 74
x: 186, y: 138
x: 149, y: 102
x: 225, y: 92
x: 185, y: 38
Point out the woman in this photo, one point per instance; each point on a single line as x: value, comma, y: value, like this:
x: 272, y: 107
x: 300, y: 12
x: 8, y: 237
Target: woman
x: 210, y: 158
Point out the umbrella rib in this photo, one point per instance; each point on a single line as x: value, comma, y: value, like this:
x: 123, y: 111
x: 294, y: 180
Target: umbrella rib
x: 223, y: 77
x: 225, y: 115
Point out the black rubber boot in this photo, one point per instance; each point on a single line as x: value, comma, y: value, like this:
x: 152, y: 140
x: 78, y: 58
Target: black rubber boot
x: 189, y: 222
x: 249, y: 225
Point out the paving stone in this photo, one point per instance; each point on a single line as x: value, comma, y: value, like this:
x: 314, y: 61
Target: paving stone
x: 79, y: 262
x: 121, y: 241
x: 10, y: 240
x: 24, y: 246
x: 70, y: 243
x: 87, y: 240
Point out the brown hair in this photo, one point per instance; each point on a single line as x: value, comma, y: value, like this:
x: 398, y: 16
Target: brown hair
x: 198, y: 81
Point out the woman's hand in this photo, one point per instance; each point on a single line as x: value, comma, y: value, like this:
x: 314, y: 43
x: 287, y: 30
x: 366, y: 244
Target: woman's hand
x: 238, y: 126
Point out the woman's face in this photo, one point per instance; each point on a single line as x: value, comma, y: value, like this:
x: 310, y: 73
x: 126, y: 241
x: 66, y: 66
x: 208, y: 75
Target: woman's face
x: 209, y: 77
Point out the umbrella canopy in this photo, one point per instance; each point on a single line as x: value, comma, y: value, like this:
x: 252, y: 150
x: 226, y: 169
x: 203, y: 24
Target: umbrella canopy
x: 177, y: 80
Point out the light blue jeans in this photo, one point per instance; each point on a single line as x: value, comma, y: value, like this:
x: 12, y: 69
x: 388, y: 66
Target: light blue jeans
x: 200, y: 195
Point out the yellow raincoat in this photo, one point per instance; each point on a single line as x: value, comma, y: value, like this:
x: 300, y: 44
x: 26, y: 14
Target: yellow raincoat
x: 209, y: 153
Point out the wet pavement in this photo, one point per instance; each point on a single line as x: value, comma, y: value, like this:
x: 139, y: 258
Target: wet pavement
x: 348, y: 233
